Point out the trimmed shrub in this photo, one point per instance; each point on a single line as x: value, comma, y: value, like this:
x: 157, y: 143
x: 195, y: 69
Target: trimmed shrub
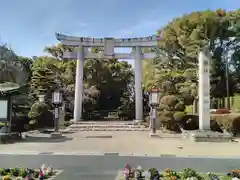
x: 179, y: 107
x: 228, y: 122
x: 215, y: 126
x: 189, y: 109
x: 189, y: 122
x: 218, y: 123
x: 162, y: 107
x: 169, y: 112
x: 40, y: 115
x: 188, y: 99
x: 178, y: 116
x: 167, y: 120
x: 169, y: 100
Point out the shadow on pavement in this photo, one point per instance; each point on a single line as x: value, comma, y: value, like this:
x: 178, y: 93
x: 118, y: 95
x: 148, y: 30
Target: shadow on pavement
x: 40, y: 140
x: 46, y: 139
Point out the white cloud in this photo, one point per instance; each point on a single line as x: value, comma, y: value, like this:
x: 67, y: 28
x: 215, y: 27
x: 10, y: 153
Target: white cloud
x: 143, y: 28
x: 82, y: 24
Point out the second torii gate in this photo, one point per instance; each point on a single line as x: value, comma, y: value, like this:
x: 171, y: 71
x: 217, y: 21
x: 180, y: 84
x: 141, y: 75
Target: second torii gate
x: 108, y: 44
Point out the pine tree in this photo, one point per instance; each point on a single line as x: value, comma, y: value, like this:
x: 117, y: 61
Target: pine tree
x: 42, y: 81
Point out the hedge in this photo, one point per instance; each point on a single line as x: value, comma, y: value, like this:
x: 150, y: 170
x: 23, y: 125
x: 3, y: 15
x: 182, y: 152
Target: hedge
x: 219, y: 122
x: 226, y: 122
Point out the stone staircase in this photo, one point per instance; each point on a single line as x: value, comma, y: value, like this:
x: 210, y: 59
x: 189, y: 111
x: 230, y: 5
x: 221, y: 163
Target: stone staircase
x: 105, y: 126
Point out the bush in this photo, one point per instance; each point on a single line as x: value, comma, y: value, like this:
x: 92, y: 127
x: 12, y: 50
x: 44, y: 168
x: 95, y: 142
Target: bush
x: 215, y: 126
x: 188, y: 100
x: 189, y: 109
x: 178, y: 116
x: 40, y: 115
x: 19, y: 123
x: 165, y: 116
x: 163, y: 107
x: 189, y: 122
x: 169, y: 100
x: 190, y: 173
x: 170, y: 112
x: 167, y: 120
x: 218, y: 123
x: 180, y: 107
x: 228, y: 122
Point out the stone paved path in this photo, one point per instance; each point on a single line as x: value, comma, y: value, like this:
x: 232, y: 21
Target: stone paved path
x: 137, y: 143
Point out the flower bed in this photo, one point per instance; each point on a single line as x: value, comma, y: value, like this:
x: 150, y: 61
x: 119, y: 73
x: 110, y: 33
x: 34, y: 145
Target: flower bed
x: 168, y: 174
x: 18, y: 173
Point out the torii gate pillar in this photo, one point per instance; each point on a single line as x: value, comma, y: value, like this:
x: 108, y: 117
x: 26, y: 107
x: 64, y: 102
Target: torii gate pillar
x: 138, y: 84
x: 78, y: 99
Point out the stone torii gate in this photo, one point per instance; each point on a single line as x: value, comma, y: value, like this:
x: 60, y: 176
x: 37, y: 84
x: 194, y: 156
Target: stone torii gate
x: 81, y: 52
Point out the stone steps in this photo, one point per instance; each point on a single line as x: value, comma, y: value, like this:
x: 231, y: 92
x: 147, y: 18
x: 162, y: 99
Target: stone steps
x: 105, y: 126
x: 105, y: 122
x: 104, y: 129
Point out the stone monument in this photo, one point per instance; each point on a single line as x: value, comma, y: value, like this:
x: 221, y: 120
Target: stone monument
x: 204, y: 90
x: 204, y: 134
x: 81, y: 52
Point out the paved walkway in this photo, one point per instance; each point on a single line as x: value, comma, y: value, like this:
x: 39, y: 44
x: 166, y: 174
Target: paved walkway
x: 125, y: 143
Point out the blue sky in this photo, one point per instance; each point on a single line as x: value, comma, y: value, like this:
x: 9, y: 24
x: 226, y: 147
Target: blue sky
x: 30, y: 25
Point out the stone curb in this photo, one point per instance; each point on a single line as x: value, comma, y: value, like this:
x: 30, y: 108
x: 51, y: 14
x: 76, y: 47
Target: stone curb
x: 87, y: 153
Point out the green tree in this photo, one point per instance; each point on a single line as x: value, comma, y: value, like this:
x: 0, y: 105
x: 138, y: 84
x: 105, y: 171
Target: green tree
x: 183, y: 37
x: 112, y: 78
x: 42, y: 81
x: 105, y: 80
x: 57, y: 50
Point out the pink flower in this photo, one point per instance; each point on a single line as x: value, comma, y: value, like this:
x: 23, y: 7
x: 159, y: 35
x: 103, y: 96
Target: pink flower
x: 126, y: 172
x: 41, y: 173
